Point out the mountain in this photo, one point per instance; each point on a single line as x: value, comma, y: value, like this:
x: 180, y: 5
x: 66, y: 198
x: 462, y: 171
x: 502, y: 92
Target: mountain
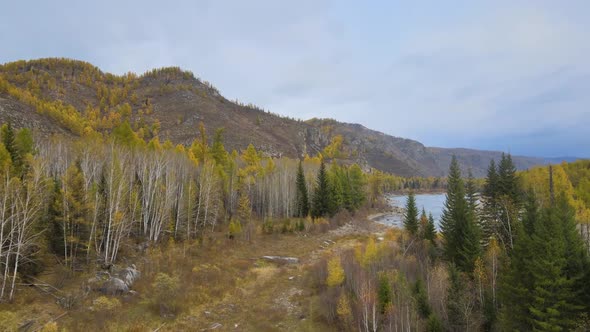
x: 74, y: 98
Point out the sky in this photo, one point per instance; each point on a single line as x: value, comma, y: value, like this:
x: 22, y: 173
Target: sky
x: 500, y: 75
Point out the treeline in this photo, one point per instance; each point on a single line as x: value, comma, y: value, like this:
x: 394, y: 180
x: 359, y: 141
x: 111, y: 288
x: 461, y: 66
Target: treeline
x: 86, y: 201
x: 510, y: 257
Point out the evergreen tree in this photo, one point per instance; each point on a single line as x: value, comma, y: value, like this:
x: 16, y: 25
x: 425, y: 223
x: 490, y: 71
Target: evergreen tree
x: 430, y: 230
x: 8, y: 139
x: 218, y: 152
x: 357, y: 186
x: 516, y: 281
x: 301, y: 197
x: 458, y: 226
x: 321, y: 195
x: 507, y: 180
x: 411, y: 215
x: 490, y: 205
x: 384, y: 293
x: 423, y: 221
x: 335, y: 179
x: 544, y: 284
x: 421, y: 298
x: 553, y: 300
x: 52, y: 220
x: 454, y: 299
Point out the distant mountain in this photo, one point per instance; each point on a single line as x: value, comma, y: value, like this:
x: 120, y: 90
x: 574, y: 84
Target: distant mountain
x: 559, y: 160
x: 71, y: 97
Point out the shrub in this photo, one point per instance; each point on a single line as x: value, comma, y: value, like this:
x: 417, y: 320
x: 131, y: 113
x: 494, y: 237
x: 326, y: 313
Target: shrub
x: 268, y: 226
x: 165, y: 293
x: 335, y: 272
x: 50, y: 327
x: 235, y: 228
x: 104, y: 303
x: 9, y: 321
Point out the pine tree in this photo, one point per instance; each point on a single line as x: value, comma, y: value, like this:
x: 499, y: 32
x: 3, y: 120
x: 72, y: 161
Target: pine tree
x: 321, y: 195
x: 301, y: 197
x: 411, y: 215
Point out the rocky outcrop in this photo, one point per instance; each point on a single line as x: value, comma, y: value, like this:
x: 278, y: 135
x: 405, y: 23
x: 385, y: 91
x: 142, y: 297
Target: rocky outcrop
x: 281, y: 259
x: 118, y: 282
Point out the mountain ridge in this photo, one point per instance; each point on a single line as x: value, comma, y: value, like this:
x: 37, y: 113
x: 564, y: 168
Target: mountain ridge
x: 71, y: 97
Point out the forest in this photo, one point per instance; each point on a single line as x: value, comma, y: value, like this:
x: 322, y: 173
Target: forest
x: 80, y: 206
x: 513, y: 257
x: 510, y: 253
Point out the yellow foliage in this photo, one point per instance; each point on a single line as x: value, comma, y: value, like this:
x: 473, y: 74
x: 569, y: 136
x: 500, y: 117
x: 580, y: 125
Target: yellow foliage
x: 50, y: 327
x: 9, y: 321
x: 334, y: 149
x: 370, y: 255
x: 104, y: 303
x: 335, y: 272
x: 343, y: 309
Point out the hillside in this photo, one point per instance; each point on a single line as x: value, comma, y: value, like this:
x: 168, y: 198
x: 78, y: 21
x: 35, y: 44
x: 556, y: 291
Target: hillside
x: 73, y: 98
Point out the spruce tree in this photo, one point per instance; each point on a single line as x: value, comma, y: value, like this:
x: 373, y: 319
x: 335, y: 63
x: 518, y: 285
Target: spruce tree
x: 552, y: 296
x: 430, y: 229
x: 301, y: 197
x: 321, y: 195
x: 411, y: 215
x: 357, y: 186
x: 335, y: 179
x: 454, y: 206
x: 458, y: 226
x: 507, y: 184
x: 8, y: 139
x: 489, y: 196
x: 544, y: 283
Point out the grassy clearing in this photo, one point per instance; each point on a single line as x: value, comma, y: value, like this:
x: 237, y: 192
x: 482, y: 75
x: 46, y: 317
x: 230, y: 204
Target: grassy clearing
x: 218, y: 282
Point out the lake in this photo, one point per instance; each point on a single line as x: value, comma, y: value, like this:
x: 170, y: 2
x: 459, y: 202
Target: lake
x: 432, y: 203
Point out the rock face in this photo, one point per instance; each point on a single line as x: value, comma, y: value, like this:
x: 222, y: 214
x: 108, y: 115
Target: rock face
x: 180, y: 102
x: 114, y: 286
x: 129, y: 275
x: 117, y: 283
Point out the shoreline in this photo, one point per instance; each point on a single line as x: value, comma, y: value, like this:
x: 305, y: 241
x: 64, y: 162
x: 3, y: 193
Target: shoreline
x: 417, y: 192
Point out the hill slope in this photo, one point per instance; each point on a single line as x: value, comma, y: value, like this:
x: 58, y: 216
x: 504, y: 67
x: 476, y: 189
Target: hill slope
x: 72, y: 97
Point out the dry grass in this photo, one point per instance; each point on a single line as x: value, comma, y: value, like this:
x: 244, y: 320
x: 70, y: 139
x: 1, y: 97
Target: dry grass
x: 221, y: 281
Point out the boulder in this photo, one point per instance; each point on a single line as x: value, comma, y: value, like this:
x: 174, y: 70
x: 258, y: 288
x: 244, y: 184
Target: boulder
x: 129, y: 275
x: 114, y: 286
x: 282, y: 259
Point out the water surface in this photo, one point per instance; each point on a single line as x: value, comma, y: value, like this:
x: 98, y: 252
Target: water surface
x: 432, y: 203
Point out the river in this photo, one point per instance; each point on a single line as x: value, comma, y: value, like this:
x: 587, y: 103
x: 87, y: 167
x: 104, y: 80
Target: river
x: 432, y: 203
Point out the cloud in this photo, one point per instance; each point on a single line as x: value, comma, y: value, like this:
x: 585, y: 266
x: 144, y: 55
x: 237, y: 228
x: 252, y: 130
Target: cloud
x: 495, y: 75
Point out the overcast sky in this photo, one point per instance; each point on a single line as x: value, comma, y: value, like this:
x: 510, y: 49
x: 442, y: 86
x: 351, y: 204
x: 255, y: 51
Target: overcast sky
x: 503, y: 75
